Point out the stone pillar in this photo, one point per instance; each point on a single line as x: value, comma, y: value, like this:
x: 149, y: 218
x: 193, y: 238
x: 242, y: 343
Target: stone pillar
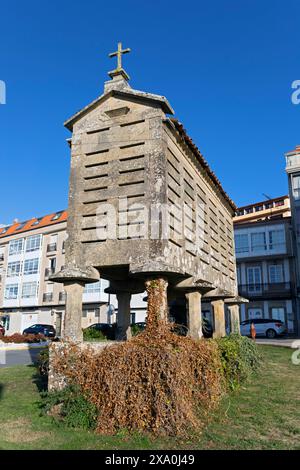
x: 194, y: 314
x: 123, y: 317
x: 234, y: 313
x: 219, y: 318
x: 157, y: 309
x: 73, y: 315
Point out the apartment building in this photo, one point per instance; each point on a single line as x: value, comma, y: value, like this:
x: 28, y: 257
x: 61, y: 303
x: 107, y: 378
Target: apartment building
x: 266, y: 266
x: 29, y: 253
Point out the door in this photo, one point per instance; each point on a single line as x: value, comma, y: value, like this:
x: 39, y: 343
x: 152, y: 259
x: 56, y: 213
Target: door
x: 278, y: 314
x: 28, y: 319
x: 256, y: 314
x: 58, y: 322
x: 254, y: 279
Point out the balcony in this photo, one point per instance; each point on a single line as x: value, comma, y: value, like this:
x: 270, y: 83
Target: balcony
x: 62, y: 297
x: 48, y: 297
x: 48, y: 272
x: 51, y: 247
x: 270, y: 290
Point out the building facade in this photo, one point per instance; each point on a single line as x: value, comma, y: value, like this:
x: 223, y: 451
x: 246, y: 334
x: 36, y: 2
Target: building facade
x: 29, y: 253
x: 266, y: 263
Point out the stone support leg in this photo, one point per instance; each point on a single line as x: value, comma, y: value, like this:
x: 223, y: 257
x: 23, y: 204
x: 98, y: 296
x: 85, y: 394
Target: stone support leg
x: 194, y: 314
x: 157, y: 310
x: 123, y: 317
x: 219, y: 318
x: 234, y: 313
x: 73, y: 315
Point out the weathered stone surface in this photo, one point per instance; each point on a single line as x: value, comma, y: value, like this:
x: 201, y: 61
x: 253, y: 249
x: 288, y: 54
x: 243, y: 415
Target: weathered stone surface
x: 194, y: 314
x: 132, y: 170
x: 57, y: 381
x: 219, y: 318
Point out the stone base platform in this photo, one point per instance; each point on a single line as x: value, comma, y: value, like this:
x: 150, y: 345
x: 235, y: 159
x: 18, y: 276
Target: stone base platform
x: 57, y: 381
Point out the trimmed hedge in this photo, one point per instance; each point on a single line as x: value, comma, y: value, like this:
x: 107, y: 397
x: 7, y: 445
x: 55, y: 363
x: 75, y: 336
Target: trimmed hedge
x: 18, y: 338
x: 239, y: 358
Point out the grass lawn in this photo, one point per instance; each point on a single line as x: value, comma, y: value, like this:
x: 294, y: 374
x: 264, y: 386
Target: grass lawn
x: 264, y: 414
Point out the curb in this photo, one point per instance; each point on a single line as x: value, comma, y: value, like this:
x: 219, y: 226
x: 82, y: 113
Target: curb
x: 281, y: 345
x: 22, y: 346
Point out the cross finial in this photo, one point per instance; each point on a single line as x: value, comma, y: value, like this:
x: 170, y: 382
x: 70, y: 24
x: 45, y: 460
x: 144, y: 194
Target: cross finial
x: 119, y: 70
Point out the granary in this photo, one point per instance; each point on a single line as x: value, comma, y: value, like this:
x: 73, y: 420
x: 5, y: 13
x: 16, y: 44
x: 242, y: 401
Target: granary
x: 144, y: 205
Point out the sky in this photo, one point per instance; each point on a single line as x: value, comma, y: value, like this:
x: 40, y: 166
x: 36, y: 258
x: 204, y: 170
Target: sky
x: 226, y: 67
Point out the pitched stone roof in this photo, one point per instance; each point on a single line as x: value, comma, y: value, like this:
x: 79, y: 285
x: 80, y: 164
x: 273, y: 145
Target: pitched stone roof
x: 188, y: 141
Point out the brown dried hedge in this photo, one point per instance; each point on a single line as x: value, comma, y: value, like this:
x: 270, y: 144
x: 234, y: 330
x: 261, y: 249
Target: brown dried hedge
x: 157, y: 382
x: 19, y: 338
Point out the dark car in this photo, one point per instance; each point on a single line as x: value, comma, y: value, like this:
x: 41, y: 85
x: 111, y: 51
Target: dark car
x: 207, y: 328
x: 182, y: 330
x: 46, y: 330
x: 108, y: 330
x: 2, y: 330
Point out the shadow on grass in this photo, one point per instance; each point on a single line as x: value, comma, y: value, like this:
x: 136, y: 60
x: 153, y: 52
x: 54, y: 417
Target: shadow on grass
x: 40, y: 381
x: 1, y: 390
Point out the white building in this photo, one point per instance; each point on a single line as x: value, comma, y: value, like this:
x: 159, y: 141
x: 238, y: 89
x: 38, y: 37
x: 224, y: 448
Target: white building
x: 29, y: 253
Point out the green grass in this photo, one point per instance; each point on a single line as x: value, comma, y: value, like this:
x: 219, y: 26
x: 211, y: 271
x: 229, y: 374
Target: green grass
x: 264, y: 414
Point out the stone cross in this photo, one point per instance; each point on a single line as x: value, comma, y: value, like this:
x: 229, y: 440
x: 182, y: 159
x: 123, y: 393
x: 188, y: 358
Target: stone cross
x: 119, y: 53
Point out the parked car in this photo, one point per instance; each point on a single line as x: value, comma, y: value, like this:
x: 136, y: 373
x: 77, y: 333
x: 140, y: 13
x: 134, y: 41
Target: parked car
x: 267, y: 327
x: 207, y: 328
x: 108, y: 330
x: 182, y: 330
x: 46, y: 330
x: 2, y: 330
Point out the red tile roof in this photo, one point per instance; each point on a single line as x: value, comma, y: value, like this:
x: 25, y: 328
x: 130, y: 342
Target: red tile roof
x: 32, y: 224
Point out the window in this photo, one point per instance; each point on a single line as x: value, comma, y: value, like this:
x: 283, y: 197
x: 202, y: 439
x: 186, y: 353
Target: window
x: 277, y: 313
x: 276, y: 239
x: 254, y: 279
x: 268, y: 205
x: 31, y: 266
x: 249, y: 210
x: 275, y: 273
x: 241, y: 243
x: 92, y: 288
x: 258, y: 241
x: 37, y: 221
x: 296, y: 187
x: 279, y: 203
x: 14, y: 269
x: 259, y: 208
x: 16, y: 246
x: 255, y: 313
x: 33, y: 243
x: 57, y: 215
x: 29, y: 290
x: 11, y: 291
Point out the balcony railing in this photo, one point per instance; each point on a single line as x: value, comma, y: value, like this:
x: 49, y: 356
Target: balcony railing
x: 48, y: 297
x: 51, y: 247
x: 48, y: 272
x: 269, y: 289
x: 62, y: 297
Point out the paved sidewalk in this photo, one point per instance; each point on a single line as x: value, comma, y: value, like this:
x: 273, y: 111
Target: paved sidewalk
x: 293, y: 343
x: 22, y: 346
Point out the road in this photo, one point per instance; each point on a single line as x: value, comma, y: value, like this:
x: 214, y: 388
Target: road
x: 18, y: 357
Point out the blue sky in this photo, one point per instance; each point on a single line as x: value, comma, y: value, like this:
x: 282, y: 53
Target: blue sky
x: 226, y: 67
